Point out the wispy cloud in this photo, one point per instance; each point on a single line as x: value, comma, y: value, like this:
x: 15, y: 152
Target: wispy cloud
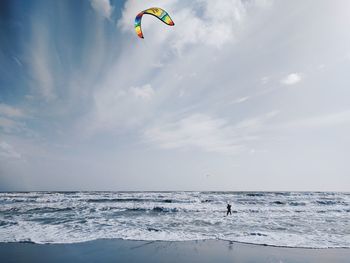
x: 219, y: 135
x: 9, y: 125
x: 291, y: 79
x: 175, y: 78
x: 216, y: 24
x: 201, y: 86
x: 102, y: 7
x: 11, y: 118
x: 198, y: 131
x: 7, y: 151
x: 325, y: 120
x: 265, y: 80
x: 207, y: 133
x: 145, y: 92
x: 240, y: 100
x: 40, y: 62
x: 10, y: 111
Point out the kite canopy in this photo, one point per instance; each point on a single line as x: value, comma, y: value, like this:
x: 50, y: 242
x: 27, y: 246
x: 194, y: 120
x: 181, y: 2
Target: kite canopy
x: 154, y: 11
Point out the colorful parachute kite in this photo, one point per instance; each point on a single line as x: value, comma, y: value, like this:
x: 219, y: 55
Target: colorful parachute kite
x: 155, y: 11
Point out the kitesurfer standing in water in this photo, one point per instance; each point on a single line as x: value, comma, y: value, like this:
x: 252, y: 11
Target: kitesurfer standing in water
x: 228, y: 210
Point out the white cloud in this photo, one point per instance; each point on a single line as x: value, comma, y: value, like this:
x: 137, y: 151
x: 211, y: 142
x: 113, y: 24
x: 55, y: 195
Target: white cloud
x: 326, y: 120
x: 198, y: 130
x: 43, y: 76
x: 265, y: 80
x: 219, y: 135
x: 145, y: 92
x: 321, y: 66
x: 9, y: 125
x: 11, y: 112
x: 103, y: 7
x: 216, y: 23
x: 40, y: 61
x: 176, y: 76
x: 181, y: 93
x: 7, y: 151
x: 240, y: 100
x: 116, y: 108
x: 13, y: 125
x: 206, y: 133
x: 291, y: 79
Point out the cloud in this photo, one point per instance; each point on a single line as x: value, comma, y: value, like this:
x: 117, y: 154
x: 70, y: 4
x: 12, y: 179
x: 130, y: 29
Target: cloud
x: 102, y: 7
x: 9, y: 125
x: 156, y: 58
x: 207, y: 133
x: 219, y: 135
x: 211, y: 23
x: 14, y: 124
x: 145, y: 92
x: 326, y: 120
x: 9, y: 119
x: 11, y: 112
x: 240, y: 100
x: 291, y: 79
x: 18, y: 61
x: 347, y: 56
x: 265, y: 80
x: 41, y: 61
x: 121, y: 90
x: 116, y: 108
x: 198, y: 131
x: 7, y: 151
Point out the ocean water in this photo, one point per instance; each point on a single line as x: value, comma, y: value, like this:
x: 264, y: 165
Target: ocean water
x: 293, y: 219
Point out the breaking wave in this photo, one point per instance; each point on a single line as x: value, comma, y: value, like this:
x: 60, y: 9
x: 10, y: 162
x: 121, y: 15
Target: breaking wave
x: 292, y: 219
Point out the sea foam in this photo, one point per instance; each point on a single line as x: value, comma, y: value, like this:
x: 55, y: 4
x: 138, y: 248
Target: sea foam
x: 292, y: 219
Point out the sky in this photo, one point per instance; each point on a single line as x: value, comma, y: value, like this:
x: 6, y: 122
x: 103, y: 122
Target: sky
x: 239, y: 95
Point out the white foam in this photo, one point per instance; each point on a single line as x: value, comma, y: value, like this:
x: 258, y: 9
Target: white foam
x: 294, y: 219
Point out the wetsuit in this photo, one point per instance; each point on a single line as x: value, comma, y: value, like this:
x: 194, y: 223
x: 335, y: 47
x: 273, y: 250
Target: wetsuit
x: 229, y: 209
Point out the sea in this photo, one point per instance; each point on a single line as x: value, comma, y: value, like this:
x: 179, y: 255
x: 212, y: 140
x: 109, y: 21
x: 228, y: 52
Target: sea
x: 287, y: 219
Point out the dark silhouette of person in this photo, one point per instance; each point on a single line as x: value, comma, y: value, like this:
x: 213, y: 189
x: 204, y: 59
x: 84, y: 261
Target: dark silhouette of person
x: 228, y: 210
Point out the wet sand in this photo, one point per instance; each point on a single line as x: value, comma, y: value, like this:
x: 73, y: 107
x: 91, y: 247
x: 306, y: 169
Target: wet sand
x: 117, y: 250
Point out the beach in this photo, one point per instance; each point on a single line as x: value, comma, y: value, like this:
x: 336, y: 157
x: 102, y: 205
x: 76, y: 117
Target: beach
x: 266, y: 227
x: 174, y: 131
x: 117, y: 250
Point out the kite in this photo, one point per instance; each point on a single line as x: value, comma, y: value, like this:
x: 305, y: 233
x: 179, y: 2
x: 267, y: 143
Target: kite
x: 154, y: 11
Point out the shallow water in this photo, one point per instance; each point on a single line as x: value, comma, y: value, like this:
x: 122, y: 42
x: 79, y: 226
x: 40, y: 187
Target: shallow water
x: 294, y: 219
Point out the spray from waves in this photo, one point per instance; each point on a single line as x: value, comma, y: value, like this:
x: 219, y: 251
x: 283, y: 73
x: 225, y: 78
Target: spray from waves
x: 293, y: 219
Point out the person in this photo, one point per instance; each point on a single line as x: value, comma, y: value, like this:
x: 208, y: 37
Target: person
x: 228, y: 210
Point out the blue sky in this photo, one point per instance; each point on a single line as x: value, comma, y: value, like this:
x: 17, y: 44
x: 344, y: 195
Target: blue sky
x: 238, y: 95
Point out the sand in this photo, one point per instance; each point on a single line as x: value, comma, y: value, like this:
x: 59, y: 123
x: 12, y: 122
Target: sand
x: 117, y: 250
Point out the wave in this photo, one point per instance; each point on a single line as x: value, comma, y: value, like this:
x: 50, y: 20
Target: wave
x: 154, y: 209
x: 278, y: 203
x: 153, y: 229
x: 267, y: 218
x: 7, y: 223
x: 255, y: 194
x: 297, y: 203
x: 135, y: 200
x: 327, y: 202
x: 43, y: 210
x: 257, y: 234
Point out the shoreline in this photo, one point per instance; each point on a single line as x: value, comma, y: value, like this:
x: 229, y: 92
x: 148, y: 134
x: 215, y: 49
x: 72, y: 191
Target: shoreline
x: 173, y: 191
x: 119, y: 250
x: 175, y: 241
